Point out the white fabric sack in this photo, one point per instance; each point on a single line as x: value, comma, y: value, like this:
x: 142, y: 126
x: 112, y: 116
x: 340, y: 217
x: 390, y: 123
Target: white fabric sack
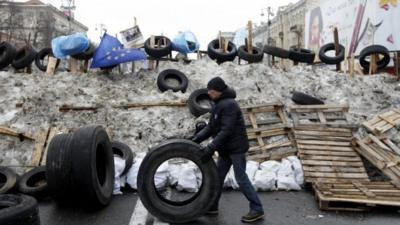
x: 265, y: 177
x: 161, y: 176
x: 286, y: 178
x: 131, y: 177
x: 230, y: 181
x: 174, y: 171
x: 251, y: 169
x: 119, y: 166
x: 298, y: 169
x: 187, y: 180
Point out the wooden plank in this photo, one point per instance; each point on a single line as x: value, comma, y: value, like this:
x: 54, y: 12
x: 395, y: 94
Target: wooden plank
x: 327, y: 153
x: 337, y: 46
x: 335, y: 175
x: 324, y: 147
x: 321, y: 117
x: 323, y: 133
x: 39, y: 146
x: 333, y: 169
x: 329, y: 143
x: 365, y: 190
x: 9, y: 132
x: 250, y: 37
x: 51, y: 65
x: 331, y: 158
x: 322, y: 138
x: 331, y: 163
x: 53, y: 131
x: 317, y: 107
x: 153, y: 104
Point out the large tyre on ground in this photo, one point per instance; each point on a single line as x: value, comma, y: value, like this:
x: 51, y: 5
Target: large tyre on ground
x: 382, y: 51
x: 164, y: 76
x: 8, y: 180
x: 42, y: 54
x: 184, y: 211
x: 199, y: 102
x: 58, y: 168
x: 18, y: 210
x: 125, y: 152
x: 304, y: 99
x: 331, y: 60
x: 277, y: 52
x: 215, y: 53
x: 92, y: 166
x: 158, y: 52
x: 255, y: 57
x: 34, y: 183
x: 302, y: 55
x: 24, y: 58
x: 88, y: 54
x: 7, y: 54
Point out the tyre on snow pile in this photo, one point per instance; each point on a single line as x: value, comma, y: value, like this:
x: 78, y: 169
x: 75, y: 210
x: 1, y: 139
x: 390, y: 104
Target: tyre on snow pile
x: 164, y: 85
x: 34, y: 183
x: 18, y: 210
x: 184, y: 211
x: 215, y: 53
x: 304, y: 99
x: 7, y: 54
x: 8, y: 180
x: 88, y: 54
x: 199, y: 102
x: 24, y: 58
x: 125, y: 152
x: 255, y: 57
x: 40, y: 59
x: 85, y: 159
x: 382, y: 51
x: 302, y: 55
x: 277, y: 52
x: 158, y: 52
x: 331, y: 60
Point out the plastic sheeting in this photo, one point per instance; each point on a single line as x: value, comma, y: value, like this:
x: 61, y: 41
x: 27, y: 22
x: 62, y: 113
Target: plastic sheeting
x: 185, y: 42
x: 69, y: 45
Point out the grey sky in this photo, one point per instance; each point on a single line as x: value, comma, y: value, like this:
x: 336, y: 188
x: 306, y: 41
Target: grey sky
x: 204, y: 17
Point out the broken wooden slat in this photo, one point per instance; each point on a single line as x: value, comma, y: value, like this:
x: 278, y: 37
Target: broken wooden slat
x: 10, y: 132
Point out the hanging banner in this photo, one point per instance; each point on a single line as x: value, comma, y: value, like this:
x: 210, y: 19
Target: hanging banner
x: 360, y: 23
x: 132, y: 37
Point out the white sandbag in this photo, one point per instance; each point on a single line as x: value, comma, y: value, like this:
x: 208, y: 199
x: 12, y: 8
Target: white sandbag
x: 187, y: 180
x: 174, y: 171
x: 131, y: 176
x: 298, y: 169
x: 251, y: 169
x: 119, y: 166
x: 161, y: 176
x: 286, y: 178
x: 265, y: 177
x: 271, y: 165
x: 230, y: 181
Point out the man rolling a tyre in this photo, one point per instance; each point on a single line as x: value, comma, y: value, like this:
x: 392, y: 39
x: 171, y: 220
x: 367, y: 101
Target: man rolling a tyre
x: 227, y: 127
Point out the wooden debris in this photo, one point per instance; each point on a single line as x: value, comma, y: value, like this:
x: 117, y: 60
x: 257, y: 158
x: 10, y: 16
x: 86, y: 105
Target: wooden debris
x: 9, y: 132
x: 337, y: 46
x: 66, y: 108
x: 153, y: 104
x: 250, y: 37
x: 383, y: 122
x: 51, y: 65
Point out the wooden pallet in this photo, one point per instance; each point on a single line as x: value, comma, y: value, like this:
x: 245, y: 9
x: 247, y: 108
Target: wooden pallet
x: 382, y: 153
x: 355, y: 195
x: 383, y: 122
x: 268, y: 131
x: 326, y: 115
x: 327, y: 155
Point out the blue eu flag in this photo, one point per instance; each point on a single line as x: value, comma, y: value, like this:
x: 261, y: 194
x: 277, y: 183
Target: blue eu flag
x: 111, y: 52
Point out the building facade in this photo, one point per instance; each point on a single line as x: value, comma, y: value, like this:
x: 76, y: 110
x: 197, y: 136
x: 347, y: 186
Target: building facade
x: 34, y: 21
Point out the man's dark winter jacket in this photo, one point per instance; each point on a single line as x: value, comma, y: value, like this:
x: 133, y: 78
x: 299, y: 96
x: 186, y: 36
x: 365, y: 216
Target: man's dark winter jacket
x: 226, y: 126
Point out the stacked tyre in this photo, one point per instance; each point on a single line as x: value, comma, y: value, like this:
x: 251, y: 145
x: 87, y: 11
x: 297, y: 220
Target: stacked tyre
x: 18, y: 209
x: 24, y: 58
x: 161, y: 50
x: 255, y: 57
x: 215, y: 53
x: 7, y: 54
x: 40, y: 59
x: 80, y: 167
x: 380, y: 50
x: 302, y: 55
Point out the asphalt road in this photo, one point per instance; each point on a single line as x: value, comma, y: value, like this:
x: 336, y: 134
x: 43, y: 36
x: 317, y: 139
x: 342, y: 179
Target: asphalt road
x: 281, y: 208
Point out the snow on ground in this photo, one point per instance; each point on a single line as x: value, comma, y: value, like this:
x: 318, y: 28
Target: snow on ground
x: 40, y: 96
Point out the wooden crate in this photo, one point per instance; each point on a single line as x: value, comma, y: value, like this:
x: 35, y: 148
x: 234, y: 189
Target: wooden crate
x: 326, y: 115
x: 327, y: 155
x: 382, y: 153
x: 383, y: 122
x: 269, y: 133
x: 355, y: 195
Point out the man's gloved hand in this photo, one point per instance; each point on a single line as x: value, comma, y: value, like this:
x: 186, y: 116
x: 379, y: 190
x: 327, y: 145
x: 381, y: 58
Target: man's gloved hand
x: 207, y: 154
x: 195, y: 139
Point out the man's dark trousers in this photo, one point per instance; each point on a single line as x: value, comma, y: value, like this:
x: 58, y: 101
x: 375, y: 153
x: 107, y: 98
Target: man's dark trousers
x: 239, y: 167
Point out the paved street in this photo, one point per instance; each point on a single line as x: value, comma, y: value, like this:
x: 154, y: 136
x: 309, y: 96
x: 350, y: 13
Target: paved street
x: 282, y: 208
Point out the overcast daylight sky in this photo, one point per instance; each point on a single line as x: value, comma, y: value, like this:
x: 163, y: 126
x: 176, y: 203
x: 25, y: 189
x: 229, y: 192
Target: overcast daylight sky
x: 204, y: 17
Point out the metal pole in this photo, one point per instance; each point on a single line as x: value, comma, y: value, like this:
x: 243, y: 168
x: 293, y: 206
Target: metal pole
x: 269, y: 32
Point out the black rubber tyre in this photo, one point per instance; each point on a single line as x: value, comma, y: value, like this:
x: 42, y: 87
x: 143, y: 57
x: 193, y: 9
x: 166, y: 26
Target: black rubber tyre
x: 125, y: 152
x: 158, y: 52
x: 8, y: 180
x: 277, y: 52
x: 34, y: 183
x: 58, y: 168
x: 39, y: 60
x: 7, y: 54
x: 214, y: 52
x: 24, y: 58
x: 302, y: 55
x: 200, y: 126
x: 92, y: 166
x: 375, y: 49
x: 304, y: 99
x: 256, y: 57
x: 329, y: 59
x: 172, y: 74
x: 87, y: 55
x: 195, y: 107
x: 18, y: 210
x: 164, y: 209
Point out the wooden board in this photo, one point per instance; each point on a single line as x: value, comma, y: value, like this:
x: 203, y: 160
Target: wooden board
x: 383, y: 122
x: 327, y: 115
x: 356, y: 195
